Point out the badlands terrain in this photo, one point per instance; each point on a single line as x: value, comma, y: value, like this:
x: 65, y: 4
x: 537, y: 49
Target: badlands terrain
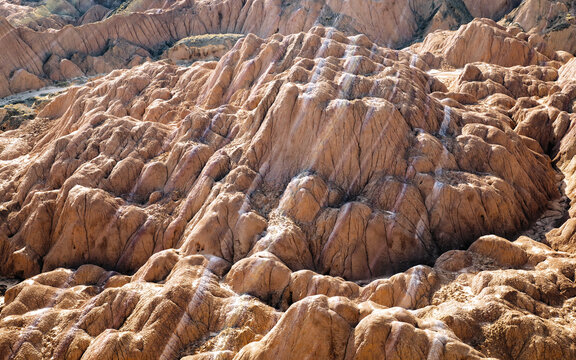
x: 287, y: 179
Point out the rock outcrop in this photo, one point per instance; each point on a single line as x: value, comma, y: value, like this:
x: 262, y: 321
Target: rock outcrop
x: 284, y: 189
x: 550, y: 24
x: 485, y: 41
x: 113, y: 172
x: 201, y: 48
x: 148, y: 26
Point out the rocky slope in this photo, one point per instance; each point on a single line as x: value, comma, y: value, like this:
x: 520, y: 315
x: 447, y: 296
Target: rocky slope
x: 553, y: 21
x: 54, y: 14
x: 133, y: 31
x: 310, y: 193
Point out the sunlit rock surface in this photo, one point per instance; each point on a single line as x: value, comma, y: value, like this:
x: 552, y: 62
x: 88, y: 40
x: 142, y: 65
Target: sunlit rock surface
x: 100, y: 35
x: 290, y: 186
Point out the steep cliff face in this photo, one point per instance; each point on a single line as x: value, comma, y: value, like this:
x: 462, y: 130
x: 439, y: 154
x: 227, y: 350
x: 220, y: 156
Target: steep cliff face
x: 288, y: 187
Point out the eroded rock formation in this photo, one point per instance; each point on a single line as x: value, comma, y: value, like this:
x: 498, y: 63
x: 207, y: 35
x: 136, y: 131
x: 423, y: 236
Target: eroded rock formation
x: 129, y: 32
x: 311, y: 193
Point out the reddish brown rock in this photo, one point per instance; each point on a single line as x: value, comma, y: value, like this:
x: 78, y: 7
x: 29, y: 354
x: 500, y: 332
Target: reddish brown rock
x: 22, y: 80
x: 289, y: 199
x: 501, y: 250
x: 341, y: 233
x: 481, y: 40
x: 150, y: 25
x: 552, y: 21
x: 70, y: 70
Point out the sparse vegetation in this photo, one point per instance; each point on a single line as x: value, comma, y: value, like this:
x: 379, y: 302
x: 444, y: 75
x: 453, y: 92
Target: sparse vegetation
x: 14, y: 115
x: 209, y: 39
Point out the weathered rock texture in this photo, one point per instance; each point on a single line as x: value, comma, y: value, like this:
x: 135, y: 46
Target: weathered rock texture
x: 54, y: 14
x: 308, y: 195
x: 148, y: 26
x: 550, y: 24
